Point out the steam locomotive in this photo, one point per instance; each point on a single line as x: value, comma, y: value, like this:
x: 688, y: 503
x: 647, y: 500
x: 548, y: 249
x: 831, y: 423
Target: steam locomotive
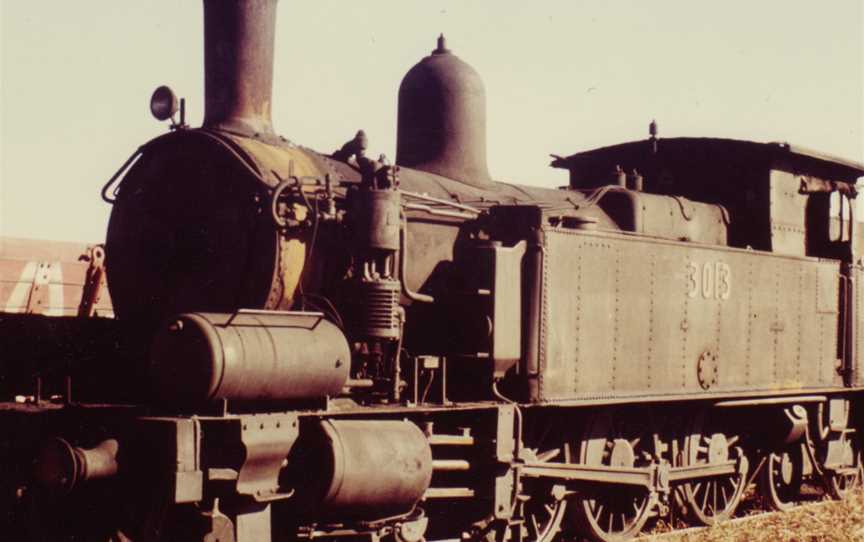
x: 332, y: 346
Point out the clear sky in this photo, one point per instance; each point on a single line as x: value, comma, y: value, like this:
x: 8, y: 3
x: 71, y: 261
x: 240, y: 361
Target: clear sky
x: 561, y: 76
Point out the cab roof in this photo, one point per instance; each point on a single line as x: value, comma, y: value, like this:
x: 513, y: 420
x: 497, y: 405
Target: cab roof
x: 775, y: 155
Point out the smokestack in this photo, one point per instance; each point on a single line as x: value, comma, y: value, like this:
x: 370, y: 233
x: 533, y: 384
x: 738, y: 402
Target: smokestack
x: 238, y: 64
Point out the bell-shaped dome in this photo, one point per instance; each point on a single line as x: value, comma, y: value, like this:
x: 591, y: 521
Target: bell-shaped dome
x: 442, y: 119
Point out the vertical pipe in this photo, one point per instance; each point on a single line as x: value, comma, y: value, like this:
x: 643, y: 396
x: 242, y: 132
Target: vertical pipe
x: 619, y: 177
x: 637, y: 181
x: 853, y: 378
x: 238, y: 64
x: 850, y: 320
x: 532, y: 328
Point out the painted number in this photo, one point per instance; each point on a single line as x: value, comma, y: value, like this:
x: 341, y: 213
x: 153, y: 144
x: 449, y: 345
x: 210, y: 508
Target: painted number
x: 711, y: 280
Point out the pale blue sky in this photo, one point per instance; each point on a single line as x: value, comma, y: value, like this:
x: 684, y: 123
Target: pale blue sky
x: 560, y: 77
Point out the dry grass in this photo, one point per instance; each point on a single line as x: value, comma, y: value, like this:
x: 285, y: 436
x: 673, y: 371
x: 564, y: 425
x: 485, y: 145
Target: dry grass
x: 841, y: 521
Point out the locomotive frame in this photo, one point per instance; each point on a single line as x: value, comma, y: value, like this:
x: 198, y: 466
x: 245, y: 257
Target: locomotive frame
x: 330, y: 346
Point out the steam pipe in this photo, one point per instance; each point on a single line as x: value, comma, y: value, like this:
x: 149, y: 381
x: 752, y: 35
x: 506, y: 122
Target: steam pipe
x: 435, y: 212
x: 61, y: 467
x: 450, y: 465
x: 403, y: 268
x: 442, y: 202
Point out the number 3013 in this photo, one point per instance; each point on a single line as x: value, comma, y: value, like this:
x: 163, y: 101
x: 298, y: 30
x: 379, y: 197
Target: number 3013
x: 711, y: 280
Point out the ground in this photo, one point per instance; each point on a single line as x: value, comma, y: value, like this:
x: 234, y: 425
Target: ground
x: 840, y: 521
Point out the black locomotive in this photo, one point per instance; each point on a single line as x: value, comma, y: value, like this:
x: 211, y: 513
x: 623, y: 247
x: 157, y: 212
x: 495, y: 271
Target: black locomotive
x: 331, y: 346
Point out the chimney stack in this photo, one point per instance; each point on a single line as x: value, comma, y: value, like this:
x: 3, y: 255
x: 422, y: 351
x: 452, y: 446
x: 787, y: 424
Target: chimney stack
x: 238, y: 65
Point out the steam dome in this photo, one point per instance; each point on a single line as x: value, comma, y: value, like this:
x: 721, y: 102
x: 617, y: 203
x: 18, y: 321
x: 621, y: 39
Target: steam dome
x: 442, y: 119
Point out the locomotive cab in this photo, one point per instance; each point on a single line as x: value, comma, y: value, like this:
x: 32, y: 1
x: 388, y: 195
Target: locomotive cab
x: 780, y: 198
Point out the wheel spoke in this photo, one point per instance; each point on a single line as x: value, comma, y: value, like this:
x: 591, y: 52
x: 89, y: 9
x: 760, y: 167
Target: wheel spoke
x: 548, y: 455
x: 616, y: 514
x: 714, y: 493
x: 839, y: 485
x: 542, y: 512
x: 779, y: 492
x: 705, y: 498
x: 714, y: 500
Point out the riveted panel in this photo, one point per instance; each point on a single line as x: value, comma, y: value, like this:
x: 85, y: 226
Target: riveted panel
x: 561, y: 325
x: 631, y: 359
x: 788, y: 214
x: 811, y: 339
x: 762, y: 310
x: 669, y: 319
x: 784, y: 328
x: 734, y: 322
x: 827, y: 307
x: 635, y: 316
x: 599, y: 319
x: 704, y: 293
x: 827, y: 291
x: 582, y: 344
